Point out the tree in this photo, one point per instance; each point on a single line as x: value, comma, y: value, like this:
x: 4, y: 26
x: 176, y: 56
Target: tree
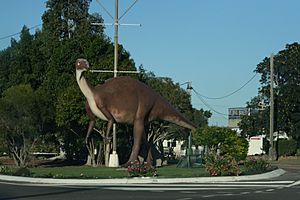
x: 287, y: 91
x: 257, y: 123
x: 22, y: 120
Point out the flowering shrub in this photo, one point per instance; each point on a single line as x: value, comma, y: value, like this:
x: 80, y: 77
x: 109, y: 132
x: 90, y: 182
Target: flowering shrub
x: 140, y: 169
x: 221, y: 165
x: 256, y: 165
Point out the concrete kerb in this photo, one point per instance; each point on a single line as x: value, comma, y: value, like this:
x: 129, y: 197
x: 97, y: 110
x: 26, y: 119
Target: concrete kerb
x: 147, y: 180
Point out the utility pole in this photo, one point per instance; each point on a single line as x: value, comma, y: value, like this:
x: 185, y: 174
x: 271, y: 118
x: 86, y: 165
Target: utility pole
x: 189, y: 149
x: 113, y: 158
x: 271, y: 149
x: 116, y: 37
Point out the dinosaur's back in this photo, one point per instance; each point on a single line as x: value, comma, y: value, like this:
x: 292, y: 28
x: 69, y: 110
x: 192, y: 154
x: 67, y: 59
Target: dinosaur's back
x: 125, y: 98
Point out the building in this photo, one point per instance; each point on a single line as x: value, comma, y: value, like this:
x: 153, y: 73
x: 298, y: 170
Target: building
x: 235, y: 117
x: 256, y: 145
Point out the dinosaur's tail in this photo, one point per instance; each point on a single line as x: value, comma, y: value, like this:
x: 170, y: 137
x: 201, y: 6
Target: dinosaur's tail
x: 174, y: 116
x: 180, y: 120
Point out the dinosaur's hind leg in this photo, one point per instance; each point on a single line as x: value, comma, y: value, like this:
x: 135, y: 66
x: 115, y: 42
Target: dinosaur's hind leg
x: 149, y: 142
x: 138, y: 132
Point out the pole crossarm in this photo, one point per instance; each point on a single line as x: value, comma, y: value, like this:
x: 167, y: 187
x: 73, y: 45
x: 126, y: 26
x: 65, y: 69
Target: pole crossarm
x: 112, y: 24
x: 112, y: 71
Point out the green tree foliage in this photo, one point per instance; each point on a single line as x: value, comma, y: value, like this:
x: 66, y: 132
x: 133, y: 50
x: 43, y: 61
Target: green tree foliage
x: 287, y: 92
x: 257, y: 123
x: 22, y: 120
x: 222, y: 140
x: 287, y: 147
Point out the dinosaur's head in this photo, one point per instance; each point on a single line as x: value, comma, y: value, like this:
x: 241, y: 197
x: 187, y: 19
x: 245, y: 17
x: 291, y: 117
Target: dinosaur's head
x: 82, y: 64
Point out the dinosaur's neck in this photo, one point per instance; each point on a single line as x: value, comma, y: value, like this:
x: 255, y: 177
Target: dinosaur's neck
x: 84, y: 85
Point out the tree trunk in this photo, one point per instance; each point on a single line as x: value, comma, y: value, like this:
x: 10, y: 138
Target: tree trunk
x: 99, y: 155
x: 107, y: 152
x: 91, y: 157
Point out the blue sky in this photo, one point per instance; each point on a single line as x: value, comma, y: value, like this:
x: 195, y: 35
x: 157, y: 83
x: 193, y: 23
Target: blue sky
x: 216, y: 44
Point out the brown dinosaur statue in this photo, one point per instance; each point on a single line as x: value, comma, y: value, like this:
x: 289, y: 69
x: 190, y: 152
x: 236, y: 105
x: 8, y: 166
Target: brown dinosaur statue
x: 126, y: 100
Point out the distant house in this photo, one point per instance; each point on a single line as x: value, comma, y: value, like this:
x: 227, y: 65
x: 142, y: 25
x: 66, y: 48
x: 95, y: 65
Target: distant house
x: 235, y: 117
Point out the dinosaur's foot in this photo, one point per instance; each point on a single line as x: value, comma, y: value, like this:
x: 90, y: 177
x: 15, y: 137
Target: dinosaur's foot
x: 129, y: 163
x: 125, y: 165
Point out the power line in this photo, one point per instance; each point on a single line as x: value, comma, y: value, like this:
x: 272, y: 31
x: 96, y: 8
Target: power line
x: 235, y: 91
x: 103, y: 7
x: 201, y: 96
x: 11, y: 35
x: 207, y: 105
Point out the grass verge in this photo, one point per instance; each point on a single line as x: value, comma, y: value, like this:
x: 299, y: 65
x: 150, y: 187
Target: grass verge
x: 104, y: 172
x: 87, y: 172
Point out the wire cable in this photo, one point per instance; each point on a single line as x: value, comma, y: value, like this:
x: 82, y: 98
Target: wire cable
x: 207, y: 105
x: 228, y: 95
x: 11, y: 35
x: 103, y: 7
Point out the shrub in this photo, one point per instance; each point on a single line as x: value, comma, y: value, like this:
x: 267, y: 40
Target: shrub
x: 298, y: 152
x: 256, y: 166
x: 287, y: 147
x: 221, y: 165
x: 23, y: 171
x: 223, y: 139
x: 140, y: 169
x: 235, y: 146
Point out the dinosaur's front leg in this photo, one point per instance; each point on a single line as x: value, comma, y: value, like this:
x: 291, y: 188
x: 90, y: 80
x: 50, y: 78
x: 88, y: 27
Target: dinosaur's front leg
x: 108, y: 129
x: 92, y: 122
x: 91, y: 127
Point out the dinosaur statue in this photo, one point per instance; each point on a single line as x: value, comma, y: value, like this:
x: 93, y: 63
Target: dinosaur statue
x: 126, y: 100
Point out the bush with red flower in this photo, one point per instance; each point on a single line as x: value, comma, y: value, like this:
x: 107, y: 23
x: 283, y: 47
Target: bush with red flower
x: 218, y: 165
x: 140, y: 169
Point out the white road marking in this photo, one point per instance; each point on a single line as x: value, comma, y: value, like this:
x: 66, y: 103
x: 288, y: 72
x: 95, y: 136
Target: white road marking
x: 270, y: 190
x: 296, y: 183
x: 167, y: 188
x: 188, y: 192
x: 245, y: 193
x: 258, y: 191
x: 184, y: 198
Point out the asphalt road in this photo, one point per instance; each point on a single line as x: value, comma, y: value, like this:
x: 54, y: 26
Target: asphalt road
x: 231, y: 190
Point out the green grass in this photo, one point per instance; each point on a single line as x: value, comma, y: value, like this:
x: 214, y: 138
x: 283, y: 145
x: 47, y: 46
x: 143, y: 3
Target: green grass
x: 87, y: 172
x: 105, y: 172
x: 78, y: 172
x: 293, y: 161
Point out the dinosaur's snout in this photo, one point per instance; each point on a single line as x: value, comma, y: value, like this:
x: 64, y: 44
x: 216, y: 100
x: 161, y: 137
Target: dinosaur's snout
x: 82, y: 64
